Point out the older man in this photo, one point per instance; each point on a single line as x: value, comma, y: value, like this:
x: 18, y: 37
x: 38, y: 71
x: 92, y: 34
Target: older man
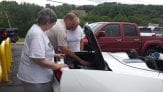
x: 58, y: 36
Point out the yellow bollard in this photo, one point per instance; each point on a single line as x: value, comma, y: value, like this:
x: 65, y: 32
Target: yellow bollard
x: 10, y: 49
x: 0, y: 71
x: 8, y: 54
x: 5, y: 77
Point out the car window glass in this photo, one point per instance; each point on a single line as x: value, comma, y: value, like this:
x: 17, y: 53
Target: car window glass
x: 112, y: 30
x: 130, y: 30
x: 128, y: 61
x: 134, y: 63
x: 94, y: 26
x: 158, y: 30
x: 145, y: 30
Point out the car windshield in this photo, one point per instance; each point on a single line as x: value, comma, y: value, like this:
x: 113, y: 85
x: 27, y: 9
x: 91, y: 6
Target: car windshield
x: 145, y: 30
x: 94, y: 26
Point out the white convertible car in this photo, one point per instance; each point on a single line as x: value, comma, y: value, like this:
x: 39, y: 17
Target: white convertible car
x: 110, y: 72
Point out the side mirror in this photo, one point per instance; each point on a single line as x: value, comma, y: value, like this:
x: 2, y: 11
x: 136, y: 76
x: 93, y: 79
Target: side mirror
x: 100, y: 34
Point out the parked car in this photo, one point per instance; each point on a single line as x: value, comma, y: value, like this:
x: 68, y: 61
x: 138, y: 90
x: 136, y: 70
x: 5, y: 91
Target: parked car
x: 108, y: 72
x: 9, y: 32
x: 145, y: 31
x: 158, y: 31
x: 123, y: 36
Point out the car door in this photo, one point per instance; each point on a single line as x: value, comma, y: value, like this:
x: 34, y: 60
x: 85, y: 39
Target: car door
x: 131, y: 37
x: 111, y: 41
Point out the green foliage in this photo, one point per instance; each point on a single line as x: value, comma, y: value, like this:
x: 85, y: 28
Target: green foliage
x: 120, y: 18
x: 21, y: 40
x: 61, y: 10
x: 22, y: 16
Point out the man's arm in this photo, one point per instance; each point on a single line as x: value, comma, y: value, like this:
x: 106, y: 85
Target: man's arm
x: 72, y: 55
x: 47, y: 64
x: 81, y: 45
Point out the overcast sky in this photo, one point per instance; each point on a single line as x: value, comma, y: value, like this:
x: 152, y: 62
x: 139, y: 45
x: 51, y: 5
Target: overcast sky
x: 88, y: 2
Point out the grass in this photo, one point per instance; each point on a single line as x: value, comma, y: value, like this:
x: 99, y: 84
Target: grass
x: 21, y: 40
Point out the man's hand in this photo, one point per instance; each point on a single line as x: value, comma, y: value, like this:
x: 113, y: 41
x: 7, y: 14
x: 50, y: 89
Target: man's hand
x: 84, y: 62
x: 59, y: 66
x: 60, y: 55
x: 73, y: 55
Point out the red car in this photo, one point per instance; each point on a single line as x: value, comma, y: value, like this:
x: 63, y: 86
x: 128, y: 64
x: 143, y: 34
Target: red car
x: 123, y: 36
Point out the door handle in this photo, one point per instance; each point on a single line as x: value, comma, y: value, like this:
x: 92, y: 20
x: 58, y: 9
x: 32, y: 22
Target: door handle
x: 136, y: 39
x: 118, y: 40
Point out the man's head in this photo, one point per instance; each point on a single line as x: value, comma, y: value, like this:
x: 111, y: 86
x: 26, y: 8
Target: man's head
x: 72, y: 21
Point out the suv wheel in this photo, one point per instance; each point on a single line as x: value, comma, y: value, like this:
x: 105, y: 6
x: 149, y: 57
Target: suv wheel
x: 149, y: 51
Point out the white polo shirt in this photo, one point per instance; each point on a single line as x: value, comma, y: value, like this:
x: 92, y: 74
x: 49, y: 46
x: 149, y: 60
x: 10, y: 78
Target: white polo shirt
x: 74, y: 38
x: 36, y: 45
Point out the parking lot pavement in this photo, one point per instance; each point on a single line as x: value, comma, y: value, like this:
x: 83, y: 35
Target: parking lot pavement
x: 15, y: 85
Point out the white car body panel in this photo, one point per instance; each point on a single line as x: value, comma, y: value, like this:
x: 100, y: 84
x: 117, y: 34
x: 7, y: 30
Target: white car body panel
x: 161, y: 75
x: 107, y: 81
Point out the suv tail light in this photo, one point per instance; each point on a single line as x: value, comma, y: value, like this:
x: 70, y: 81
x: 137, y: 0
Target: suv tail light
x: 4, y: 35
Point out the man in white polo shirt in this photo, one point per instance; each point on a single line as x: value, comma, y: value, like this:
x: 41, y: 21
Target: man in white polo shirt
x: 75, y: 38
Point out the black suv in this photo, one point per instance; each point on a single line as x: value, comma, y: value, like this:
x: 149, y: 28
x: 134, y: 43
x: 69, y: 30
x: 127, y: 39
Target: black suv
x: 158, y: 31
x: 9, y: 32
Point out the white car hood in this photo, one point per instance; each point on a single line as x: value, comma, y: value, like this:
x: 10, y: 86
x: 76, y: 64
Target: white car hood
x: 106, y: 81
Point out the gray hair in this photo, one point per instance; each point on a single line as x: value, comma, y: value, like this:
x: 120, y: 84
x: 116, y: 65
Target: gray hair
x: 46, y: 15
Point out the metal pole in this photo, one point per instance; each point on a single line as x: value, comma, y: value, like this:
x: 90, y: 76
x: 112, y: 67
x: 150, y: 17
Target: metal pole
x: 161, y: 19
x: 8, y: 20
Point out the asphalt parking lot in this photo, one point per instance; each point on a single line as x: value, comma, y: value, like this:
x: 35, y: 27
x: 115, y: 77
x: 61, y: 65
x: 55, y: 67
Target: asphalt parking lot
x: 14, y: 85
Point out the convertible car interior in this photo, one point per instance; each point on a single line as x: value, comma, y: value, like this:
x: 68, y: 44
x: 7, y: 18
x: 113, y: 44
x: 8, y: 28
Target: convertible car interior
x: 94, y: 56
x: 151, y: 61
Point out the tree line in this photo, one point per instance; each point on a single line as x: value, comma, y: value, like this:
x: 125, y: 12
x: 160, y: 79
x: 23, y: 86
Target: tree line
x: 23, y: 15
